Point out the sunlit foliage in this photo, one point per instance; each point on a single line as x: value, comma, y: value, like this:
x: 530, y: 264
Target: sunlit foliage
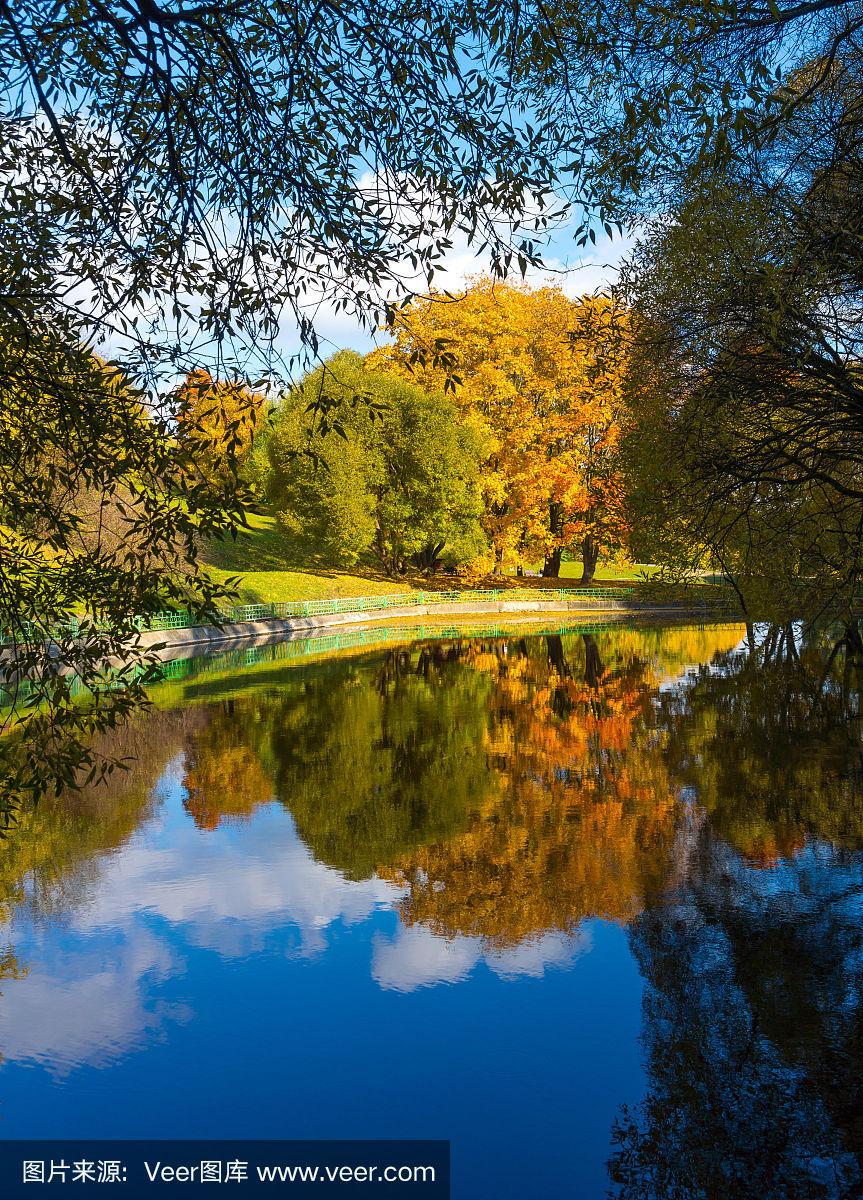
x: 222, y: 420
x: 395, y: 475
x: 532, y: 370
x: 183, y: 186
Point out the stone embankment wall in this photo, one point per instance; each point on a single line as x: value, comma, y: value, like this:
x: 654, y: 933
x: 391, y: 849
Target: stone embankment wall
x: 272, y: 628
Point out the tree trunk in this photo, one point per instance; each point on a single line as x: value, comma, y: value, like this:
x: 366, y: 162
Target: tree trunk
x: 853, y: 637
x: 498, y: 561
x: 589, y: 559
x: 381, y: 550
x: 557, y: 656
x: 551, y: 566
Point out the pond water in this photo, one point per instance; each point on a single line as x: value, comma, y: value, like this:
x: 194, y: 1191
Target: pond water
x: 588, y: 903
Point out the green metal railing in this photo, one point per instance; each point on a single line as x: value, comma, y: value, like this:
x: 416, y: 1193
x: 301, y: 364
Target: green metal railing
x: 358, y: 604
x: 295, y: 649
x: 240, y: 613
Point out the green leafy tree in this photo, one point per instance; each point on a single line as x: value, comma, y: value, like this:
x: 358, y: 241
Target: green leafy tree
x: 395, y: 476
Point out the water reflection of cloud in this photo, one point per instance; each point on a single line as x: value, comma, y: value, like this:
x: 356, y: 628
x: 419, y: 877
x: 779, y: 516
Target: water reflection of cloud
x: 416, y: 957
x: 538, y: 954
x: 227, y: 891
x: 92, y: 1008
x: 89, y: 996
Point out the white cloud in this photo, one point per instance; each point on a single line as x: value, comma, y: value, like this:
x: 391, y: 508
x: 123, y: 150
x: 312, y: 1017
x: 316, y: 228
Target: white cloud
x: 85, y: 999
x: 577, y: 271
x: 536, y: 955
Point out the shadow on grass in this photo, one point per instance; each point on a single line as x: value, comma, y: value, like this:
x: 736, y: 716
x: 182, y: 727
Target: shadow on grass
x: 269, y: 570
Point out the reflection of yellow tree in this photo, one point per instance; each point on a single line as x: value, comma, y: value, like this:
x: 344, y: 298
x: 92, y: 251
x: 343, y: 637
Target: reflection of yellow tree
x: 224, y: 776
x: 581, y: 814
x: 10, y: 967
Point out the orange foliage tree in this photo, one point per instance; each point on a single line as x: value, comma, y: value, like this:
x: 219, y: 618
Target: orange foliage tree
x: 540, y: 375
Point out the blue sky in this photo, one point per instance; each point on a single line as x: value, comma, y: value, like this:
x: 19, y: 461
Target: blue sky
x: 577, y: 269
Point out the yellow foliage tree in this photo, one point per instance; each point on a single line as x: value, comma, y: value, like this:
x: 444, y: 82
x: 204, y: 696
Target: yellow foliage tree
x: 220, y: 419
x: 540, y: 375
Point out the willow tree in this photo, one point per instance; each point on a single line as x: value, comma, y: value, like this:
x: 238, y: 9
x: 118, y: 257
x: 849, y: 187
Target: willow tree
x: 184, y: 185
x: 652, y: 95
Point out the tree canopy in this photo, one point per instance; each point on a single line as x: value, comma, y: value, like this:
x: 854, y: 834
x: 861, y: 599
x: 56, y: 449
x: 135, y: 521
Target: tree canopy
x: 181, y: 183
x: 746, y: 364
x: 222, y: 420
x: 653, y: 95
x: 532, y: 371
x: 101, y: 515
x: 396, y: 478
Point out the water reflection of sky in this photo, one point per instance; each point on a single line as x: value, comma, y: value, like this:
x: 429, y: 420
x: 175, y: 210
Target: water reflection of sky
x: 223, y: 982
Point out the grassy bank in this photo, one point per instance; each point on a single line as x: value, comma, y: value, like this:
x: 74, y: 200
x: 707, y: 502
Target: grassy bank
x: 260, y: 556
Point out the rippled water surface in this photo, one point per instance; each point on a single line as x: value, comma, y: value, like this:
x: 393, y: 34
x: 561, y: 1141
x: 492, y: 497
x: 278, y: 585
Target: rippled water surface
x: 588, y: 904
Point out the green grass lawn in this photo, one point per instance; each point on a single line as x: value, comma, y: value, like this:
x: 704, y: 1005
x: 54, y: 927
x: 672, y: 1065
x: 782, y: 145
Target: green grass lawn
x: 269, y: 574
x: 608, y: 572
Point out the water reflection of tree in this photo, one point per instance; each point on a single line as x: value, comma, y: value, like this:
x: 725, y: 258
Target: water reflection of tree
x: 51, y: 862
x: 753, y: 1012
x: 373, y: 762
x: 513, y: 784
x: 10, y: 967
x: 770, y: 741
x: 52, y: 859
x: 379, y: 759
x: 579, y: 816
x: 224, y: 776
x: 753, y: 1027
